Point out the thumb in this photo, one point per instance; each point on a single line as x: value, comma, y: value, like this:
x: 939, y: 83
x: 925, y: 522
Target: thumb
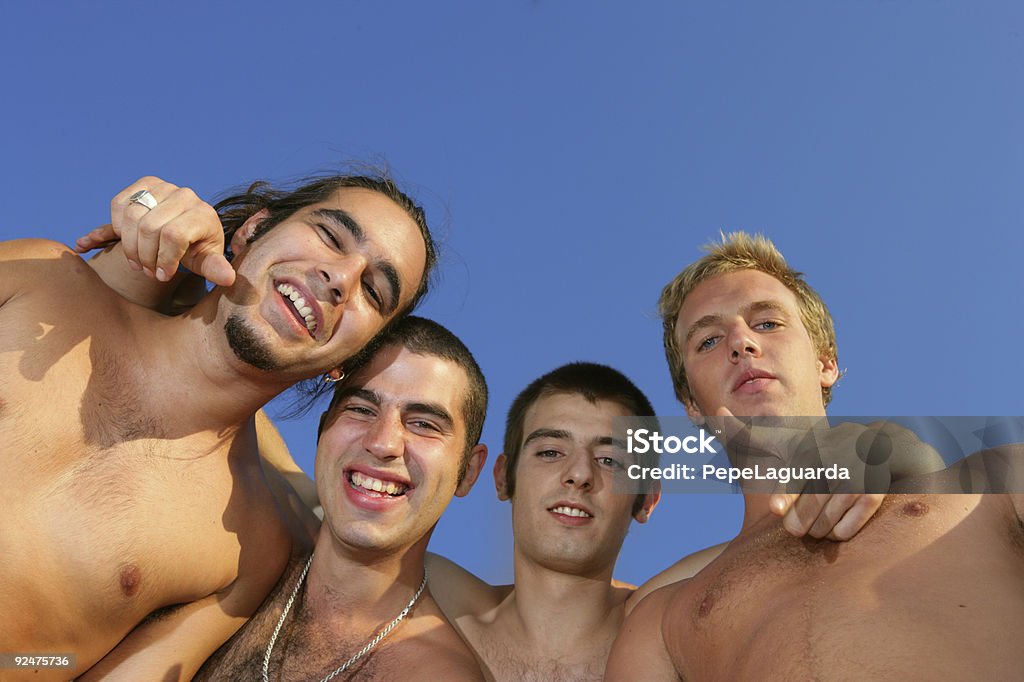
x: 780, y: 503
x: 212, y: 265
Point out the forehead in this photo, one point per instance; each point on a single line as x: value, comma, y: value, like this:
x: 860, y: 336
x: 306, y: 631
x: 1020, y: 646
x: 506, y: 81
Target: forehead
x: 730, y: 293
x: 391, y: 234
x: 399, y: 376
x: 573, y: 413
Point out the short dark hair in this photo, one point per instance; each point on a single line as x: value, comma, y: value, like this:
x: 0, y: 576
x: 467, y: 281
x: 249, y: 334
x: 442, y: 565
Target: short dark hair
x: 425, y: 337
x: 590, y: 380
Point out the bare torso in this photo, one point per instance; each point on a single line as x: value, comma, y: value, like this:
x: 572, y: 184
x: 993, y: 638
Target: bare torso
x: 514, y: 644
x: 114, y: 509
x: 424, y: 646
x: 932, y: 588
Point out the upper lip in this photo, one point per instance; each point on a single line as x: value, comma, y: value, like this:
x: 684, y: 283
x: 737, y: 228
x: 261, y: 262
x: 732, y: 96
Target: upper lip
x: 309, y: 297
x: 574, y: 505
x: 751, y: 374
x: 386, y: 476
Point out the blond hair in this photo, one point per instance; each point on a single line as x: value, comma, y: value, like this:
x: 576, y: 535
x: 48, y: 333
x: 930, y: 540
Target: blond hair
x: 741, y: 251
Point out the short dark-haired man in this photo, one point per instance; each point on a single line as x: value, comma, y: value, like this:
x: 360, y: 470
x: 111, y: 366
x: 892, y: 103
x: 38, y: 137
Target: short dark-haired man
x: 398, y: 441
x: 933, y: 588
x: 558, y: 621
x: 138, y: 515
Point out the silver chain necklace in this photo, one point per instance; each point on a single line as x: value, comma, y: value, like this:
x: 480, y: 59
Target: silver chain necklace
x: 362, y: 652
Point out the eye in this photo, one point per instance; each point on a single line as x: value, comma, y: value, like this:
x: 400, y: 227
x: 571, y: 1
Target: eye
x: 328, y: 235
x: 608, y: 462
x: 357, y: 410
x: 371, y: 291
x: 767, y: 325
x: 424, y: 425
x: 548, y: 454
x: 707, y: 343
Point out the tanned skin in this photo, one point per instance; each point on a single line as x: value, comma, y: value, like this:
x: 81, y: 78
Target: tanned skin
x: 139, y: 516
x: 932, y: 588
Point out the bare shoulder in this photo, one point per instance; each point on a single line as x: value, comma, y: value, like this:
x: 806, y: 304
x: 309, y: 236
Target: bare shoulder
x: 457, y: 591
x: 685, y: 568
x: 42, y: 249
x: 639, y: 651
x: 436, y: 650
x: 29, y: 263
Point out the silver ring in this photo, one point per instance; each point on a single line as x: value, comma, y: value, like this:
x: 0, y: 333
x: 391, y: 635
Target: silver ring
x: 144, y: 197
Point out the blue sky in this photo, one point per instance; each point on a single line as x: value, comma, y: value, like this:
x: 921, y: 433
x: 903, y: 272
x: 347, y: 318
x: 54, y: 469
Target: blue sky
x: 572, y: 156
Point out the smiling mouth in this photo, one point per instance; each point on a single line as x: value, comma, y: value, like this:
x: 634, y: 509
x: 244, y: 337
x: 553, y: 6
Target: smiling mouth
x: 300, y: 308
x: 375, y: 487
x: 570, y: 511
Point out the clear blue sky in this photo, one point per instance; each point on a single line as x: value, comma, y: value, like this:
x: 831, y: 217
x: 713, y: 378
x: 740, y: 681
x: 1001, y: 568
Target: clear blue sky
x: 572, y: 156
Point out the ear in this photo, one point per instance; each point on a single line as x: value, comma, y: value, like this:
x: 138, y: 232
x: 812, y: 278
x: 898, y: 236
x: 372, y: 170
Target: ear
x: 500, y: 484
x: 651, y: 500
x: 477, y: 457
x: 240, y: 240
x: 828, y: 369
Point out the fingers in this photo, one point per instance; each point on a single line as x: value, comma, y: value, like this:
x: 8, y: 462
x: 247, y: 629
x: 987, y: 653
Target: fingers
x: 837, y: 516
x: 125, y: 217
x: 101, y: 236
x: 857, y: 516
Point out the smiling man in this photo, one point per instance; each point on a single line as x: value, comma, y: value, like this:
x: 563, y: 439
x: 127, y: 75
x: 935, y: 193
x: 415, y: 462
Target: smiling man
x: 932, y: 588
x: 128, y: 436
x: 398, y: 442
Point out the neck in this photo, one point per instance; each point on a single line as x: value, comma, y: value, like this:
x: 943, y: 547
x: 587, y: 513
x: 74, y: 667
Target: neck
x: 358, y: 590
x: 196, y: 371
x: 557, y: 610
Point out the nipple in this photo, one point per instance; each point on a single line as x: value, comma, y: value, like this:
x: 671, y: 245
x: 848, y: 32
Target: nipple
x: 131, y: 577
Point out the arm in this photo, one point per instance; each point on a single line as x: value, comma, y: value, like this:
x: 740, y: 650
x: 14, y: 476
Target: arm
x: 457, y: 591
x: 685, y: 568
x: 639, y: 652
x: 174, y: 647
x: 274, y: 452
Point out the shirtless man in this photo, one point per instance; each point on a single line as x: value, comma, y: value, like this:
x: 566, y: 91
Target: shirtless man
x: 138, y: 516
x: 399, y: 440
x: 933, y: 588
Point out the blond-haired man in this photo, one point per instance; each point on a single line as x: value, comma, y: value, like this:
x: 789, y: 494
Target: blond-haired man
x: 746, y: 336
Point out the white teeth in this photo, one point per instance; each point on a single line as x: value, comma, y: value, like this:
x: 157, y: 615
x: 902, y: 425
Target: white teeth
x: 305, y: 311
x: 376, y: 485
x: 571, y: 511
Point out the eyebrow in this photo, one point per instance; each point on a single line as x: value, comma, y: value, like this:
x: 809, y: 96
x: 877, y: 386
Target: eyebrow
x: 344, y: 220
x: 561, y: 434
x: 369, y: 396
x: 433, y: 409
x: 608, y: 440
x: 747, y: 310
x: 372, y: 397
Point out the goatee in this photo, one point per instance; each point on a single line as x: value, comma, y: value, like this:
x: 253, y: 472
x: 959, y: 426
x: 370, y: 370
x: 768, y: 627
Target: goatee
x: 246, y: 346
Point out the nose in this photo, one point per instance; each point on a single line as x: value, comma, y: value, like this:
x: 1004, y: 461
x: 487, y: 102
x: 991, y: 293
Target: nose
x: 743, y: 343
x: 578, y: 472
x: 341, y: 275
x: 383, y: 439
